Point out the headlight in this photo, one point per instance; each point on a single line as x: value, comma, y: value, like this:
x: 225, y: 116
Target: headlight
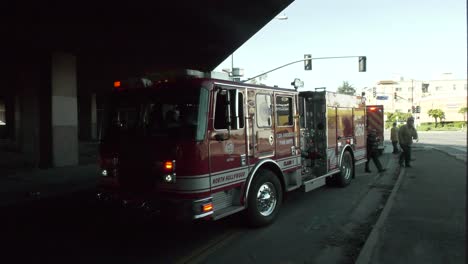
x: 169, y: 178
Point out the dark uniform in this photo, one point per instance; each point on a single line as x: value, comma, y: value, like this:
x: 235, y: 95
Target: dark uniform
x: 406, y: 134
x: 372, y: 152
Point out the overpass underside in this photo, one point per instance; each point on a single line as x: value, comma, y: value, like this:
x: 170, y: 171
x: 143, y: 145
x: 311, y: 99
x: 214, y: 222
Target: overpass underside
x: 59, y: 59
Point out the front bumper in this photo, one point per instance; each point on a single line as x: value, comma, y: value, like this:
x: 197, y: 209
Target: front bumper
x: 166, y: 208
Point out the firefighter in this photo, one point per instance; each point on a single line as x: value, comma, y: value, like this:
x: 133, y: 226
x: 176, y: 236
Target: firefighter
x: 372, y: 151
x: 394, y: 138
x: 406, y: 134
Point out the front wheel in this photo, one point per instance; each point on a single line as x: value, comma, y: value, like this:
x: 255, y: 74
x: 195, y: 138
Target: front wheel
x: 346, y: 170
x: 265, y: 197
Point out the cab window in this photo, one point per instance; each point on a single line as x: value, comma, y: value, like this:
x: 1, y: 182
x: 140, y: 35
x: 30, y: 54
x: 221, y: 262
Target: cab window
x: 284, y: 113
x: 263, y: 102
x: 236, y: 110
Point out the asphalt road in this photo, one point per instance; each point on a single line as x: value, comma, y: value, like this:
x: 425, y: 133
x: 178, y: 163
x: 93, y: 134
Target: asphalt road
x: 328, y: 225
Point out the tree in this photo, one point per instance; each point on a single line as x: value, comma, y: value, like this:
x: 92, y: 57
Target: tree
x: 463, y: 111
x: 346, y: 88
x: 436, y: 113
x: 397, y: 116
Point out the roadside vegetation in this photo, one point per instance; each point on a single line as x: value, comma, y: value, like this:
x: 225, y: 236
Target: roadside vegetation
x: 439, y: 123
x: 442, y: 126
x: 398, y: 117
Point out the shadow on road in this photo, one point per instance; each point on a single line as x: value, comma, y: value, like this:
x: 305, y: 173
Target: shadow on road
x: 74, y: 229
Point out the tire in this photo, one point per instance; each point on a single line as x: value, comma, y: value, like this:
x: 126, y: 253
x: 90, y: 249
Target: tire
x: 346, y: 170
x: 330, y: 181
x: 264, y: 200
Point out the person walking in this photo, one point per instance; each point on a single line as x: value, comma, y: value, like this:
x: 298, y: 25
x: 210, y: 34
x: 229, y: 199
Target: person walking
x: 406, y: 134
x: 394, y: 138
x: 372, y: 151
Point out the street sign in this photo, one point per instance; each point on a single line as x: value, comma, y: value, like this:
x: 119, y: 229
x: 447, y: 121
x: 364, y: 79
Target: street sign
x: 382, y: 97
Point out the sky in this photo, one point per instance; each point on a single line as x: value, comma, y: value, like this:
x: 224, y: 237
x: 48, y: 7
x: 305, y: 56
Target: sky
x: 416, y: 39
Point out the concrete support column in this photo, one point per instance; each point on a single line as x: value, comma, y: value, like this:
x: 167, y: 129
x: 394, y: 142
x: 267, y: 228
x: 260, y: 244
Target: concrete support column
x: 64, y: 110
x: 93, y: 117
x: 29, y: 122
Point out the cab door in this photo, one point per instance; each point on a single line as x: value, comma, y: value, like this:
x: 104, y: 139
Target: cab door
x: 284, y: 128
x: 261, y: 122
x: 227, y: 151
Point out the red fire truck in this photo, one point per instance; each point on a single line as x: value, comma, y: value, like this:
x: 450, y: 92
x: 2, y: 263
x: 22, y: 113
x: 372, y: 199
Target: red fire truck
x: 375, y: 120
x: 199, y: 147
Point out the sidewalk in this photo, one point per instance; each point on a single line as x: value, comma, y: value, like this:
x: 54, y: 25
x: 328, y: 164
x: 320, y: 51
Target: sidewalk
x: 21, y: 181
x: 424, y: 218
x: 31, y: 184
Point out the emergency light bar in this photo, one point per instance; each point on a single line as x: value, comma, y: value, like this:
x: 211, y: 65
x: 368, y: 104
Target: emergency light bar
x: 162, y: 77
x: 188, y: 73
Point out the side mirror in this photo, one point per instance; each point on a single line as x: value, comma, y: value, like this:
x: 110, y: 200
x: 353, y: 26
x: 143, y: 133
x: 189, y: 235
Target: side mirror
x: 220, y: 137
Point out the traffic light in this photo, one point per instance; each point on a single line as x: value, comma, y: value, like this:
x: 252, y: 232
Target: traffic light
x: 307, y: 62
x: 418, y: 109
x: 374, y: 92
x: 395, y: 96
x: 362, y: 63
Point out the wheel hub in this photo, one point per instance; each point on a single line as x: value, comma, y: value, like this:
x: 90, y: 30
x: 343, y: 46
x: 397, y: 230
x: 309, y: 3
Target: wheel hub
x: 266, y: 199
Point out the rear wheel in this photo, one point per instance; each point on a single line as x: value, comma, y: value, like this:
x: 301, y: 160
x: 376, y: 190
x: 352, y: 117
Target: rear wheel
x: 346, y: 170
x: 264, y: 200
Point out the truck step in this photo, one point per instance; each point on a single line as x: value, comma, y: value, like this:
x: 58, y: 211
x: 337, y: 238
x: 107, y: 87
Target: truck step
x: 314, y: 184
x: 227, y: 211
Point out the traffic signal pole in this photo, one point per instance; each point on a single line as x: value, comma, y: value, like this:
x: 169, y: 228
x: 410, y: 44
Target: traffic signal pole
x: 362, y: 60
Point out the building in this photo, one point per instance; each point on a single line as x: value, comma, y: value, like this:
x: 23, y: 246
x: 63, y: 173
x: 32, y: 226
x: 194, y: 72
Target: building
x: 449, y: 95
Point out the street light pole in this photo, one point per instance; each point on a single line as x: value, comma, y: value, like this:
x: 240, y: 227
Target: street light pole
x: 232, y: 62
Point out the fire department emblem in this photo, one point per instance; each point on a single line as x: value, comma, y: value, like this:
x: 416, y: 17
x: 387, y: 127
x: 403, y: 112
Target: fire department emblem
x: 229, y: 147
x: 270, y: 139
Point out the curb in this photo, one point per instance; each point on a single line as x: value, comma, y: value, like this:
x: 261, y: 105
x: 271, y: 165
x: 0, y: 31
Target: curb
x: 449, y: 154
x: 365, y: 256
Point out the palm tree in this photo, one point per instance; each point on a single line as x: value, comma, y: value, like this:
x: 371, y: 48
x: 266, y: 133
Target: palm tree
x: 463, y: 111
x: 346, y: 88
x: 436, y: 113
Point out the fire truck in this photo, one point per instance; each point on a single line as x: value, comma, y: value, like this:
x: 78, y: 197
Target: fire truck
x: 375, y: 120
x: 197, y: 146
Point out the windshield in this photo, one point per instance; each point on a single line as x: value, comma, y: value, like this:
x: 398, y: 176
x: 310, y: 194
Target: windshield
x: 160, y: 113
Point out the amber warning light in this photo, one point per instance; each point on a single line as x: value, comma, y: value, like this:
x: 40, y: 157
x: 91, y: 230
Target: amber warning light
x: 168, y: 165
x: 207, y: 207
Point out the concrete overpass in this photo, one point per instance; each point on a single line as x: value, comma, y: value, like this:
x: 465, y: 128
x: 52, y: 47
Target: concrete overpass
x: 57, y: 59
